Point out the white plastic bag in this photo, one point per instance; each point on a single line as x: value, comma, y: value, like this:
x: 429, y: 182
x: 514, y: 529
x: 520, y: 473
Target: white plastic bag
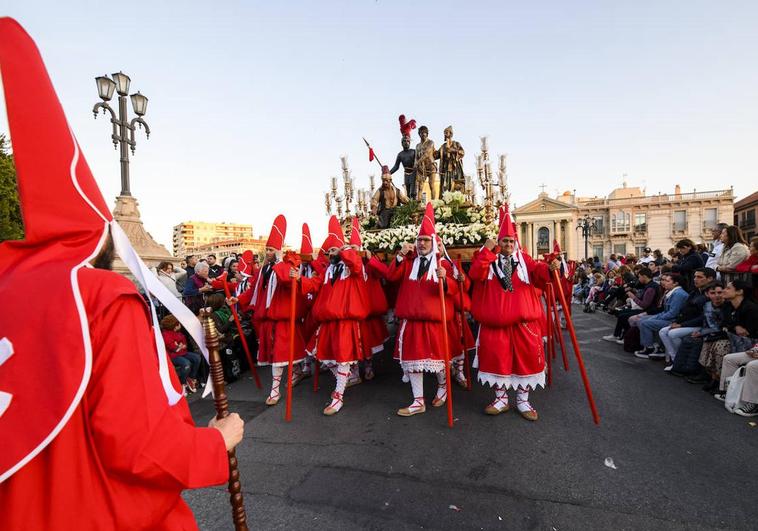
x: 734, y: 390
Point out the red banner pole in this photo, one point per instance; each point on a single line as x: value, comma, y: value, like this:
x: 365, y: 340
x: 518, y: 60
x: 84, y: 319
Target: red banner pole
x: 446, y: 346
x: 293, y: 300
x: 243, y: 340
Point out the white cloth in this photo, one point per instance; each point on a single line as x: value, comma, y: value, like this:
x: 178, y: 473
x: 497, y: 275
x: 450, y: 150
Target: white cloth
x: 715, y: 254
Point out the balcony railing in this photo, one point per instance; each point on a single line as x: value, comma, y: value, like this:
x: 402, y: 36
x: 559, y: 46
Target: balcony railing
x: 679, y: 226
x: 658, y: 199
x: 746, y: 224
x: 641, y: 228
x: 620, y: 228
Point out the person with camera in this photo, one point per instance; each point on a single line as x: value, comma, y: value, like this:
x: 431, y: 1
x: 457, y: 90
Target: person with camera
x: 641, y: 298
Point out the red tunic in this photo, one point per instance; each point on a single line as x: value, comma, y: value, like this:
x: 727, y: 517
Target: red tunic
x: 420, y: 345
x: 272, y: 320
x: 510, y: 350
x: 338, y: 310
x: 374, y: 329
x: 125, y: 455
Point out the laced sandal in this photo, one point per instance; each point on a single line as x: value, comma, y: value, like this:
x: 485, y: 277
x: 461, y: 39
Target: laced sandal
x: 440, y: 400
x: 460, y: 375
x: 525, y: 409
x: 297, y: 377
x: 415, y: 408
x: 275, y: 395
x: 335, y: 405
x: 354, y: 378
x: 500, y: 405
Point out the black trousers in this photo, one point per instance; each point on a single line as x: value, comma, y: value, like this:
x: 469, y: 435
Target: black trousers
x: 622, y: 322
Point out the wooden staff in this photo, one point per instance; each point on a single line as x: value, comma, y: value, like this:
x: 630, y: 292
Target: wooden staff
x: 466, y: 358
x: 557, y: 328
x: 575, y: 344
x: 243, y: 340
x: 550, y: 341
x: 446, y: 346
x: 293, y: 300
x: 222, y: 410
x: 316, y: 369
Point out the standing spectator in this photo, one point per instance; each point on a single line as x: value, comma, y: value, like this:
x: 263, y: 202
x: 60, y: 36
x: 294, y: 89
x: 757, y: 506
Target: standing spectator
x: 596, y: 264
x: 186, y: 363
x: 750, y: 264
x: 647, y: 256
x: 214, y: 269
x: 690, y: 319
x: 673, y: 302
x: 718, y: 246
x: 689, y: 261
x: 735, y: 249
x: 169, y: 279
x: 659, y: 258
x: 612, y: 263
x: 191, y: 261
x: 196, y: 288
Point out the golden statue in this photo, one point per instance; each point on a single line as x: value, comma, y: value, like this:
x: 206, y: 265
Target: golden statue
x: 426, y: 168
x: 450, y: 155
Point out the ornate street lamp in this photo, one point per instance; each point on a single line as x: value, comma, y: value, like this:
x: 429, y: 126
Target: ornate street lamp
x: 588, y: 226
x: 123, y: 128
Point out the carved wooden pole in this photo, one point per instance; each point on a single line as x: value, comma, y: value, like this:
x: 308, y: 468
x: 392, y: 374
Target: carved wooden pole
x: 446, y: 346
x: 222, y: 410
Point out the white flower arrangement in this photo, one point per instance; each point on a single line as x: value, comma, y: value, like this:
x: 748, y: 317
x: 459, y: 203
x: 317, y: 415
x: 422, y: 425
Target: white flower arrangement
x: 452, y: 235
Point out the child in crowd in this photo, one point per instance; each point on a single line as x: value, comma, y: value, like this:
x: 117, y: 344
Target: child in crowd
x: 186, y: 363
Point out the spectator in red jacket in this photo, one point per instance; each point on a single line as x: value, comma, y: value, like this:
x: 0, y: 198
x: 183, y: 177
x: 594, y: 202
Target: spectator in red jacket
x: 186, y: 363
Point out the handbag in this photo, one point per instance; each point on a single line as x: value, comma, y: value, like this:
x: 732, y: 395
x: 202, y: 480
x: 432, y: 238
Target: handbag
x: 734, y: 390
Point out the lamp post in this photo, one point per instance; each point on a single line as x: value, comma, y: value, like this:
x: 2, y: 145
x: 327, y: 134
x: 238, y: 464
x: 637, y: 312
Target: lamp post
x: 123, y: 128
x: 588, y: 225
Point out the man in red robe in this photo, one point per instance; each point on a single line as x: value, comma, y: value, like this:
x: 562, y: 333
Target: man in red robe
x: 510, y: 351
x: 271, y: 317
x: 339, y: 308
x: 420, y: 345
x: 93, y: 428
x: 374, y: 328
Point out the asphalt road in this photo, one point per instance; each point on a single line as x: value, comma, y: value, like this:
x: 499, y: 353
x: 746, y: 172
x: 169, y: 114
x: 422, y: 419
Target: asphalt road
x: 681, y: 461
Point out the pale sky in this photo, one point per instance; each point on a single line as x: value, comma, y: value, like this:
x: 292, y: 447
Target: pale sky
x: 252, y: 103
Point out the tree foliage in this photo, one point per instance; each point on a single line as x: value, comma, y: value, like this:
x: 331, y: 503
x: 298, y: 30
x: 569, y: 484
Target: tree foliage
x: 11, y: 223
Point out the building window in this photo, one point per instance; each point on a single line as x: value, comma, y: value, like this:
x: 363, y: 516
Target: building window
x: 640, y: 222
x: 710, y: 218
x: 621, y: 222
x: 619, y: 249
x: 680, y: 221
x: 543, y: 240
x: 639, y: 250
x: 597, y: 250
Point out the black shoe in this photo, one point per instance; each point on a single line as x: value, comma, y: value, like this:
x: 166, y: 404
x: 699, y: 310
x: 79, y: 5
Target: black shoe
x: 711, y: 386
x: 672, y: 372
x: 698, y: 379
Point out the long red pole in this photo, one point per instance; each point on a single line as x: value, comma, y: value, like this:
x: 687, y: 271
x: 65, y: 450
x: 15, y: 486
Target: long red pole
x: 466, y: 358
x: 557, y: 327
x: 550, y: 342
x: 245, y: 347
x: 293, y: 299
x: 575, y: 344
x: 446, y: 346
x: 316, y: 369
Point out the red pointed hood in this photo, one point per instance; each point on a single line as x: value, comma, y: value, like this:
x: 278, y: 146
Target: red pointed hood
x: 556, y: 247
x: 355, y: 233
x: 43, y: 376
x: 306, y: 245
x: 277, y: 234
x: 427, y: 223
x: 506, y: 224
x: 245, y: 262
x: 335, y: 237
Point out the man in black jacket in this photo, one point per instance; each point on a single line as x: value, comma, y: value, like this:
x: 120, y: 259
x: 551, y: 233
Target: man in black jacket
x: 690, y: 319
x: 689, y: 261
x: 645, y: 298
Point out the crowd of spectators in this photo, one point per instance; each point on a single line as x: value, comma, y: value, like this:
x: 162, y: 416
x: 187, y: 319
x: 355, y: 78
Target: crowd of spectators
x: 196, y: 282
x: 696, y: 311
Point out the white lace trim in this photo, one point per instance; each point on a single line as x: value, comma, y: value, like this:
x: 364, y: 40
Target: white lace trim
x: 334, y: 363
x: 278, y: 363
x: 423, y: 365
x: 513, y: 381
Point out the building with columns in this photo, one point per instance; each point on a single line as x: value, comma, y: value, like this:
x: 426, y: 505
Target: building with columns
x: 627, y: 220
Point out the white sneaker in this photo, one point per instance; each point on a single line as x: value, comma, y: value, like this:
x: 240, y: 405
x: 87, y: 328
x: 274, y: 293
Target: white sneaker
x: 610, y: 338
x: 620, y: 341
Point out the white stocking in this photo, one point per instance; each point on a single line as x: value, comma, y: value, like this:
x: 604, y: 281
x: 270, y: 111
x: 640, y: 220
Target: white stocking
x: 522, y: 399
x: 441, y: 386
x: 342, y: 372
x: 276, y: 380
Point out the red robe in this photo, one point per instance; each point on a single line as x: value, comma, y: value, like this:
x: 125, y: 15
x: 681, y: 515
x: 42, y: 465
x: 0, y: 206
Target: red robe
x: 510, y: 350
x: 272, y: 320
x: 374, y: 329
x: 125, y: 455
x: 419, y: 345
x: 338, y: 310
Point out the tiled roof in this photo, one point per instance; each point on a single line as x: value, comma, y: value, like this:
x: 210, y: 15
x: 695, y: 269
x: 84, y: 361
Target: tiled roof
x: 745, y: 201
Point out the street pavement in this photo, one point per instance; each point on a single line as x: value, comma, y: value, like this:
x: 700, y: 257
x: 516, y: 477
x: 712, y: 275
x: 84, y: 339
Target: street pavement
x: 678, y: 459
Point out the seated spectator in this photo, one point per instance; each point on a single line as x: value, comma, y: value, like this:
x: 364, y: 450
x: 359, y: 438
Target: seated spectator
x: 688, y: 354
x: 196, y: 287
x: 169, y: 278
x: 659, y: 258
x: 641, y: 297
x: 750, y: 264
x: 647, y: 256
x: 702, y: 250
x: 735, y: 249
x: 595, y: 288
x: 673, y: 255
x: 749, y: 393
x: 690, y: 319
x: 740, y: 323
x: 673, y: 302
x: 214, y: 269
x: 581, y: 288
x: 186, y: 363
x: 612, y: 263
x: 222, y: 317
x: 689, y: 261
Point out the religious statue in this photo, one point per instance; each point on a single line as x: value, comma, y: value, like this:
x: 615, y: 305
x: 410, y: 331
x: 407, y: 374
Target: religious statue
x: 450, y: 155
x: 426, y: 169
x: 407, y: 158
x: 386, y: 199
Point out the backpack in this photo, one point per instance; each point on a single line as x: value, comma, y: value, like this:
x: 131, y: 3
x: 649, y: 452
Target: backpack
x: 632, y: 340
x: 686, y: 360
